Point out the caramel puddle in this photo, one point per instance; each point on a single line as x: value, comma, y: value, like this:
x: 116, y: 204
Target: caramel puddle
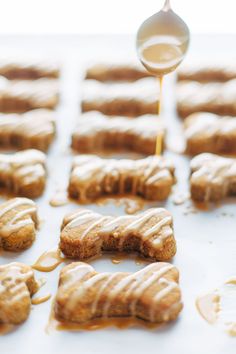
x: 48, y: 261
x: 218, y: 307
x: 208, y: 307
x: 59, y: 199
x: 132, y: 204
x: 41, y: 299
x: 97, y: 324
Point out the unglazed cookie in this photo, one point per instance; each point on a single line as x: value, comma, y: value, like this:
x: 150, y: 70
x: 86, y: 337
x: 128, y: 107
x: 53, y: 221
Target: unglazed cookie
x: 213, y: 97
x: 208, y: 132
x: 33, y: 129
x: 21, y: 96
x: 116, y: 72
x: 85, y: 234
x: 18, y: 224
x: 206, y: 72
x: 28, y: 69
x: 212, y: 177
x: 23, y: 173
x: 97, y: 132
x: 92, y: 177
x: 121, y: 99
x: 151, y: 294
x: 17, y: 285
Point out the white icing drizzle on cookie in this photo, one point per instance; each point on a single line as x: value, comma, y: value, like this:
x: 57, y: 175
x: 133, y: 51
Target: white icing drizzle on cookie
x: 13, y: 278
x: 208, y: 125
x: 123, y: 226
x: 111, y: 285
x: 91, y: 170
x: 94, y: 123
x: 213, y: 170
x: 212, y: 96
x: 20, y: 219
x: 22, y: 168
x: 34, y: 123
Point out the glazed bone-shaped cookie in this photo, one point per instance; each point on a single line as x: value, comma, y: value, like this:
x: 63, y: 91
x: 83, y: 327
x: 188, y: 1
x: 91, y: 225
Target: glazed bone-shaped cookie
x: 17, y: 285
x: 85, y: 234
x: 28, y: 69
x: 121, y: 99
x: 93, y: 177
x: 96, y: 131
x: 23, y: 173
x: 34, y: 129
x: 18, y: 223
x: 152, y: 293
x: 18, y: 96
x: 208, y: 132
x: 214, y: 97
x: 212, y: 177
x: 116, y: 72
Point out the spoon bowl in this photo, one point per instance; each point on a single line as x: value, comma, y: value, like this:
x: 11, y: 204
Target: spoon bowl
x: 162, y: 41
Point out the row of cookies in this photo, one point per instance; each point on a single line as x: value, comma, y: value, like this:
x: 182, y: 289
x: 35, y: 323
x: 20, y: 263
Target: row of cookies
x: 206, y: 96
x: 29, y: 91
x: 200, y: 102
x: 212, y: 177
x: 152, y: 294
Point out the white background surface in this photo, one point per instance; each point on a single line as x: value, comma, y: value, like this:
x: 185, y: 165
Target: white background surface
x: 206, y: 242
x: 109, y: 16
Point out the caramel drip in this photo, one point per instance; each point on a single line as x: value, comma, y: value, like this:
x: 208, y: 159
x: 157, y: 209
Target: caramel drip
x: 48, y: 261
x: 126, y: 224
x: 21, y: 218
x: 160, y: 135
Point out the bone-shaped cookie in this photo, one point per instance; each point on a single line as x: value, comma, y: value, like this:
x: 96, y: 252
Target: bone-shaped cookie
x: 214, y: 97
x: 121, y: 99
x: 34, y: 129
x: 96, y: 131
x: 93, y: 177
x: 208, y: 132
x: 126, y: 71
x: 28, y: 69
x: 17, y: 285
x: 85, y: 234
x: 18, y: 223
x: 208, y: 71
x: 21, y: 96
x: 212, y: 177
x: 152, y: 293
x: 23, y: 173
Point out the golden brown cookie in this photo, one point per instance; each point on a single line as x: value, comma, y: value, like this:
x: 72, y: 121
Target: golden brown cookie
x: 18, y: 224
x: 17, y: 285
x: 85, y: 234
x: 21, y: 96
x: 213, y: 97
x: 92, y: 177
x: 106, y: 72
x: 28, y: 69
x: 206, y: 72
x: 97, y: 132
x: 208, y: 132
x: 23, y: 173
x: 151, y: 294
x: 33, y: 129
x: 212, y: 177
x: 121, y: 99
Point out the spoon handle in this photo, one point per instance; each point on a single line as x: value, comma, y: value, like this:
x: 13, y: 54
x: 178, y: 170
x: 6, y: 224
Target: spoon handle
x: 166, y: 6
